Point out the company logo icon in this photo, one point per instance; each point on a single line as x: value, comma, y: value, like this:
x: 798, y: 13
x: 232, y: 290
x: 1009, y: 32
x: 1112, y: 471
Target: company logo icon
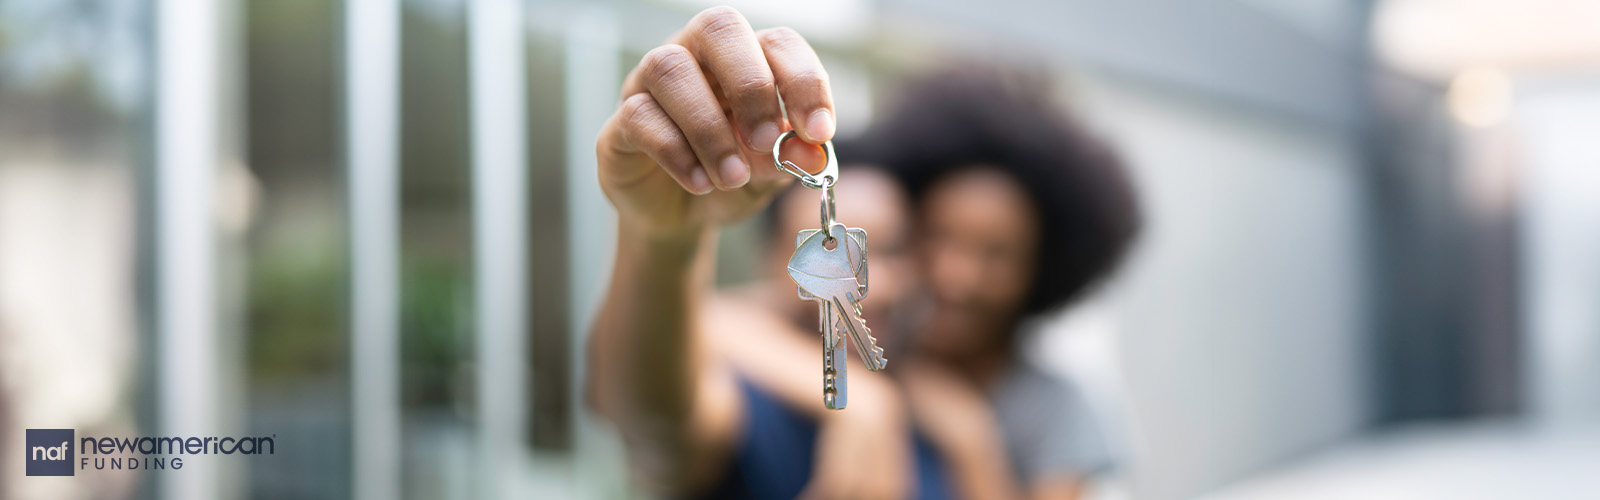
x: 49, y: 452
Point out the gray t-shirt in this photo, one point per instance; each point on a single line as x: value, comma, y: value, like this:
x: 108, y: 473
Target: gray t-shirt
x: 1049, y: 428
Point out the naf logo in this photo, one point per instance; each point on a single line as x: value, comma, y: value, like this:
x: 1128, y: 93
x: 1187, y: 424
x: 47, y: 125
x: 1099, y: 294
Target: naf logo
x: 49, y: 452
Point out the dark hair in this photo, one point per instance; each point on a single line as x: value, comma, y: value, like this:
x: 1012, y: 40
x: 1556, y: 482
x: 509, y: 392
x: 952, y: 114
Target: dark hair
x: 1088, y: 217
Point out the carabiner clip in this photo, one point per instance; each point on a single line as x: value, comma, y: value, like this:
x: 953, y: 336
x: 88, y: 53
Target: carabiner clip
x: 825, y: 179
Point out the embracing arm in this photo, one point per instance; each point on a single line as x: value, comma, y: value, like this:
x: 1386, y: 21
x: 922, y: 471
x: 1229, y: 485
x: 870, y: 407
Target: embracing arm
x: 863, y: 452
x: 964, y: 429
x: 1064, y: 487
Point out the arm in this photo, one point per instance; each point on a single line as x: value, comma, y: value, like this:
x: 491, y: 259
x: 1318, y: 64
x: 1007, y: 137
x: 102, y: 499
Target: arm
x: 962, y: 427
x: 863, y: 452
x: 965, y: 429
x: 771, y: 349
x: 1056, y: 488
x: 675, y: 160
x: 648, y: 373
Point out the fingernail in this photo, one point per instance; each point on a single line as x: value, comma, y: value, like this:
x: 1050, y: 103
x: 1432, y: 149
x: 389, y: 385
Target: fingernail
x: 734, y: 172
x: 698, y: 182
x: 764, y: 137
x: 820, y: 126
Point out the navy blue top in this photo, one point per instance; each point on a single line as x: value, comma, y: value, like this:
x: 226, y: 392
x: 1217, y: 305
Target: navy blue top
x: 773, y: 460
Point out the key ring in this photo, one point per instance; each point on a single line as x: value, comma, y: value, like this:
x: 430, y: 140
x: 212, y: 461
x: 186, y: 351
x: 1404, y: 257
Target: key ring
x: 828, y: 213
x: 825, y: 179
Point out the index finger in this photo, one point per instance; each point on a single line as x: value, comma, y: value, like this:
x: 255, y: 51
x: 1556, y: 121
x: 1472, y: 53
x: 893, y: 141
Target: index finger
x: 724, y: 43
x: 802, y: 82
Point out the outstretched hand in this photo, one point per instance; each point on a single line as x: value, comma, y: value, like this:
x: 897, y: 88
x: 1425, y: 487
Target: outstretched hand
x: 690, y: 145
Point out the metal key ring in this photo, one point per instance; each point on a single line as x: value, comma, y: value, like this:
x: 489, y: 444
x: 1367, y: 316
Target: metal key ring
x: 825, y: 179
x: 828, y: 212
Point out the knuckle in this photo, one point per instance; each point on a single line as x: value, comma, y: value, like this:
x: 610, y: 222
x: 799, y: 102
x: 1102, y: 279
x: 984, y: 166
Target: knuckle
x: 808, y: 80
x: 667, y: 62
x: 638, y: 126
x: 707, y: 125
x: 753, y: 88
x: 720, y: 19
x: 635, y: 107
x: 655, y: 141
x: 781, y: 37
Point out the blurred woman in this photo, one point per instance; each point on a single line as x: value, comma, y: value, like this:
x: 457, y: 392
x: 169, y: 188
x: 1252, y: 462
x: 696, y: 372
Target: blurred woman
x: 1019, y: 213
x: 999, y: 426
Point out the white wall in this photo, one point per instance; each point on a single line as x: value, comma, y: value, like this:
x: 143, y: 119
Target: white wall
x: 1557, y: 123
x: 1239, y: 322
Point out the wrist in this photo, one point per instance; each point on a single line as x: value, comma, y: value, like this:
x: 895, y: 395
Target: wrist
x: 644, y: 241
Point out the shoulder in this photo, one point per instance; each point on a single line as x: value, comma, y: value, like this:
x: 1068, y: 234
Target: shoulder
x: 1027, y: 387
x: 1049, y: 424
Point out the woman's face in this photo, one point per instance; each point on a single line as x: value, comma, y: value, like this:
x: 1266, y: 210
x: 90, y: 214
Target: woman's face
x: 978, y: 251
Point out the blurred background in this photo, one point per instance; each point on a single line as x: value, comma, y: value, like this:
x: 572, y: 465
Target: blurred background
x: 371, y: 228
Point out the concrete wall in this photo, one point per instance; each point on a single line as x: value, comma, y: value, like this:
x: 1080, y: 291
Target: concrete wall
x: 1239, y: 325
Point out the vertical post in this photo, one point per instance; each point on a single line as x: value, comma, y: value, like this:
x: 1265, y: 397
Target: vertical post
x: 186, y: 158
x: 499, y: 196
x: 593, y: 80
x: 372, y: 30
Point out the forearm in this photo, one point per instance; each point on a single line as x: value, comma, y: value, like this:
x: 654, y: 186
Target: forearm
x: 983, y: 472
x: 959, y: 423
x: 1059, y: 487
x: 785, y: 359
x: 644, y: 350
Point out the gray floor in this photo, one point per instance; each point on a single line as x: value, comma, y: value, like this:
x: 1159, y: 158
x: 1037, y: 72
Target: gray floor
x: 1474, y: 460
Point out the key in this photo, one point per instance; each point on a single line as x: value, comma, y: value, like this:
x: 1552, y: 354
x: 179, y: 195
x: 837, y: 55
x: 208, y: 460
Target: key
x: 834, y: 375
x: 830, y: 266
x: 857, y: 252
x: 829, y: 276
x: 835, y: 385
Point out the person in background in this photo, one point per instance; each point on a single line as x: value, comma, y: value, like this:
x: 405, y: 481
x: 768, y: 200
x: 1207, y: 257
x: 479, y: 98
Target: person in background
x: 1019, y: 213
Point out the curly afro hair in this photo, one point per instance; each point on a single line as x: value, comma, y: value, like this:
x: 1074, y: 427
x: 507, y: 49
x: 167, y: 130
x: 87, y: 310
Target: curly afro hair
x: 1088, y: 216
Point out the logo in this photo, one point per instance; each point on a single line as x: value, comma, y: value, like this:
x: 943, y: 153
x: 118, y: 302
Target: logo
x: 49, y: 452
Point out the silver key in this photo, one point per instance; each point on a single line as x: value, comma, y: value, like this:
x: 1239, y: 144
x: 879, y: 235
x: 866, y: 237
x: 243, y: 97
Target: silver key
x: 834, y: 277
x: 835, y: 394
x: 835, y: 374
x: 857, y: 252
x: 811, y: 254
x: 829, y: 276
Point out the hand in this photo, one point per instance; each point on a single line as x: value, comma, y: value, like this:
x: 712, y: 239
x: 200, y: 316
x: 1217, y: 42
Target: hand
x: 690, y: 145
x: 957, y: 419
x: 864, y: 452
x: 950, y: 410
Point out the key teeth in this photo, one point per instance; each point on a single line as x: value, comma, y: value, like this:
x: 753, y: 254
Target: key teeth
x: 872, y: 354
x: 878, y: 361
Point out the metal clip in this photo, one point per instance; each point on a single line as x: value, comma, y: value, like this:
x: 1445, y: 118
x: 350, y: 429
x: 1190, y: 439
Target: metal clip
x: 823, y: 180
